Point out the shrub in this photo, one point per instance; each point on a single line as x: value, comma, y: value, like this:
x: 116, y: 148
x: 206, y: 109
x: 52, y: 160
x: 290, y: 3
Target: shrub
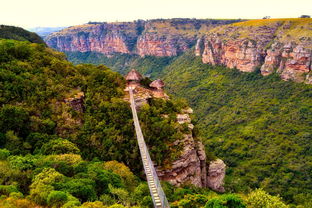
x: 57, y: 198
x: 96, y: 204
x: 260, y: 199
x: 22, y: 162
x: 83, y: 189
x: 107, y: 199
x: 226, y: 201
x: 42, y: 185
x: 14, y: 118
x: 7, y: 189
x: 59, y: 146
x: 122, y: 170
x: 4, y: 154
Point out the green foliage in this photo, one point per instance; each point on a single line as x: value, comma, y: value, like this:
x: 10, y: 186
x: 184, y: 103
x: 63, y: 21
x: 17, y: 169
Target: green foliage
x: 190, y: 201
x: 124, y: 172
x: 141, y: 195
x: 59, y: 146
x: 121, y: 195
x: 261, y: 199
x: 260, y: 126
x: 83, y: 189
x: 22, y: 162
x: 14, y: 118
x: 8, y: 189
x: 57, y: 198
x: 226, y: 201
x: 4, y: 154
x: 42, y: 185
x: 160, y: 132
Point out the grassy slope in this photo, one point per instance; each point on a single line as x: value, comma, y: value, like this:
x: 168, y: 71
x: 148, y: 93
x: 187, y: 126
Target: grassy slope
x: 260, y: 126
x: 285, y: 30
x: 17, y: 33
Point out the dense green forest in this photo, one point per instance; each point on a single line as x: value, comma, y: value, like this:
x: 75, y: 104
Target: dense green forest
x: 260, y: 126
x: 55, y: 155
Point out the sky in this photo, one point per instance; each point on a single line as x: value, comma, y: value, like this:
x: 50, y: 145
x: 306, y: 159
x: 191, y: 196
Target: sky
x: 56, y: 13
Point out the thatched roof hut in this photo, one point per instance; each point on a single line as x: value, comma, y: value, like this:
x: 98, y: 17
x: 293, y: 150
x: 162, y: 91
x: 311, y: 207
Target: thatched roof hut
x: 159, y: 84
x: 134, y: 75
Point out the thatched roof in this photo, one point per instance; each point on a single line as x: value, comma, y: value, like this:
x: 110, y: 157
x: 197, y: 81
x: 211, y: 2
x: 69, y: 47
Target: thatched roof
x: 157, y: 84
x: 134, y: 75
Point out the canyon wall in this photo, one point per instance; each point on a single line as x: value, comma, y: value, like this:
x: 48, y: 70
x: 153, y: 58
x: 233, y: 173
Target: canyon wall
x: 271, y: 45
x: 281, y: 46
x: 153, y: 37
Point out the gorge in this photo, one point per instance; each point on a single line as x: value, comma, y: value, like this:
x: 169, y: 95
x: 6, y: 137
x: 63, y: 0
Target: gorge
x: 271, y: 45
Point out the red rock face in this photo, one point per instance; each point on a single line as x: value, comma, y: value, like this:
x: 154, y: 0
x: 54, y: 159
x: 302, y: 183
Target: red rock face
x: 271, y: 45
x: 242, y: 55
x: 151, y: 44
x: 298, y: 63
x: 291, y: 61
x: 154, y: 38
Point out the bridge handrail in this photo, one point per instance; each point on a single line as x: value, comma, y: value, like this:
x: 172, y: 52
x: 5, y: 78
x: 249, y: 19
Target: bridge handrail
x: 149, y: 169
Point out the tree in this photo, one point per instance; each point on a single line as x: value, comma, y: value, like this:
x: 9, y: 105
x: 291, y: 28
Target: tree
x: 42, y: 185
x: 226, y: 201
x: 57, y: 199
x: 59, y: 146
x: 14, y: 118
x: 260, y: 199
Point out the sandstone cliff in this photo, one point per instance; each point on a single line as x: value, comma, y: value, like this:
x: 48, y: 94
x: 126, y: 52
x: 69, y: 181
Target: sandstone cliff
x: 282, y: 46
x: 154, y: 37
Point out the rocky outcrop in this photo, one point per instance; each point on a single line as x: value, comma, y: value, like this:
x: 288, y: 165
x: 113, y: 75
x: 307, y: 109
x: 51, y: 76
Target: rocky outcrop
x: 243, y: 55
x: 216, y: 174
x: 76, y: 102
x: 271, y: 47
x: 192, y: 166
x: 154, y: 37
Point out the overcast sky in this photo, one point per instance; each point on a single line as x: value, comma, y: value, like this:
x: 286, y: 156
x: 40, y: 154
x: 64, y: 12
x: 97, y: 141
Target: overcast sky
x: 53, y: 13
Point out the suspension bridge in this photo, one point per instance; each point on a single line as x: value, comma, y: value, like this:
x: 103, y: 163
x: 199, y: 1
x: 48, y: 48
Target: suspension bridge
x: 157, y: 193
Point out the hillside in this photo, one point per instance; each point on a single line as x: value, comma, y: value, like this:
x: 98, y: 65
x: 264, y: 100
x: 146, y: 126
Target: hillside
x: 64, y: 127
x: 246, y: 113
x: 260, y: 126
x: 17, y: 33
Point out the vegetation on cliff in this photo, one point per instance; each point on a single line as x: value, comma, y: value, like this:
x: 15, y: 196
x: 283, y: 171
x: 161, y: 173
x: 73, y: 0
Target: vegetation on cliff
x: 260, y: 126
